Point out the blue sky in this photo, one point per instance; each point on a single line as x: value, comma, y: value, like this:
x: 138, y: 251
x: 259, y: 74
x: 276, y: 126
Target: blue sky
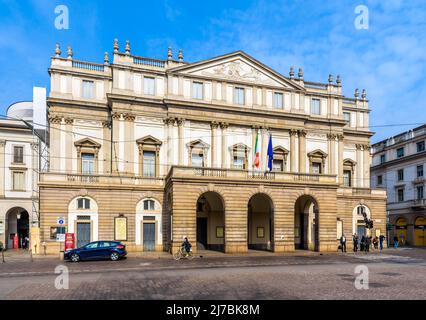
x: 388, y: 59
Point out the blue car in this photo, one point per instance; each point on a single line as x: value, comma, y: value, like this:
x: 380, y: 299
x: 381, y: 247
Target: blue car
x: 97, y: 250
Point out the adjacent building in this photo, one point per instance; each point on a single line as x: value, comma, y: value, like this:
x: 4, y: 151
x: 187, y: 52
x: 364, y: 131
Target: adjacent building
x: 148, y: 151
x: 21, y: 158
x: 398, y: 166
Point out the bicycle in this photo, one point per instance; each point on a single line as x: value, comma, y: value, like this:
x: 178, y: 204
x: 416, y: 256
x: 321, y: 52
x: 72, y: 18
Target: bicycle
x: 181, y: 254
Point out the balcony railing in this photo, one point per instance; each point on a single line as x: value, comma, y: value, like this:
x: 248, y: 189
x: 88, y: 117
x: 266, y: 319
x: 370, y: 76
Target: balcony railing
x: 87, y: 65
x: 149, y: 62
x: 219, y: 173
x: 419, y: 203
x: 80, y: 179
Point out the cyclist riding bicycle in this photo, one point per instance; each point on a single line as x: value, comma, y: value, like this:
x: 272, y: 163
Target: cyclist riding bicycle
x: 186, y: 246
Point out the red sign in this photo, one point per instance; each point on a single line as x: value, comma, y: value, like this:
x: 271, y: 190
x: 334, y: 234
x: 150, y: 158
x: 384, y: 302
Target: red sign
x: 15, y: 241
x: 69, y: 241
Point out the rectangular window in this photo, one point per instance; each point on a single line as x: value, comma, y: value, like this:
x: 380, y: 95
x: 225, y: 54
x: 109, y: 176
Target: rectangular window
x: 400, y: 195
x: 420, y: 146
x: 316, y: 168
x: 18, y: 154
x: 347, y: 117
x: 316, y: 106
x: 239, y: 96
x: 347, y: 178
x: 87, y: 163
x: 278, y: 165
x: 149, y: 163
x: 197, y: 159
x: 379, y: 180
x: 419, y: 192
x: 149, y: 86
x: 197, y: 90
x: 382, y: 159
x: 400, y: 174
x: 18, y: 183
x: 399, y: 152
x: 420, y: 171
x: 88, y: 89
x: 278, y: 100
x: 239, y: 163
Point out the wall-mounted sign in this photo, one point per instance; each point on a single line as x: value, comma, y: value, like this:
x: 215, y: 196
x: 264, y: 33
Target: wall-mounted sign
x: 121, y: 228
x: 60, y: 221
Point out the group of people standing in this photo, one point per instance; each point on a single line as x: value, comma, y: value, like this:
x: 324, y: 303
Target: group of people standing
x: 364, y: 243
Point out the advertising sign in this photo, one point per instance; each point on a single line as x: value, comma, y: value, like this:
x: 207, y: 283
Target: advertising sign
x: 121, y: 228
x: 69, y: 241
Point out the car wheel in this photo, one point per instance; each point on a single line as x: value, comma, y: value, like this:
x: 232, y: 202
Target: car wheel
x: 114, y: 256
x: 75, y: 257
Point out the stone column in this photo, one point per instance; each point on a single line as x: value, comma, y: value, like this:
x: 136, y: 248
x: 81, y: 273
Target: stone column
x: 55, y: 143
x: 366, y: 169
x: 106, y: 146
x: 2, y: 168
x: 224, y: 127
x: 68, y: 144
x: 358, y: 169
x: 302, y: 151
x: 213, y: 150
x: 293, y: 155
x: 332, y: 152
x: 115, y: 141
x: 340, y: 159
x: 129, y: 145
x: 181, y: 141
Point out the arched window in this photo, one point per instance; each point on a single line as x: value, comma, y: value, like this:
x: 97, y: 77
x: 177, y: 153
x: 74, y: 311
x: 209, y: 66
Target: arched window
x: 83, y: 203
x: 149, y: 205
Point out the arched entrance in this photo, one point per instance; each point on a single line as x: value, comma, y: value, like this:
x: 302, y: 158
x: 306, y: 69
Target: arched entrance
x: 306, y: 223
x: 260, y: 222
x: 210, y: 222
x: 18, y: 223
x: 420, y: 231
x: 359, y: 224
x: 401, y: 230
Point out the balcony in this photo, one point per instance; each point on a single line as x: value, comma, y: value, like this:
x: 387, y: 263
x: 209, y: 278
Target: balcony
x: 235, y: 174
x: 72, y: 180
x: 418, y: 204
x: 367, y: 192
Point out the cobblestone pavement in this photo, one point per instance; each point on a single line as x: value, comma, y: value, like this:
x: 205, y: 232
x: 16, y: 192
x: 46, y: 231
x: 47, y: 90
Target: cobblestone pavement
x: 395, y: 274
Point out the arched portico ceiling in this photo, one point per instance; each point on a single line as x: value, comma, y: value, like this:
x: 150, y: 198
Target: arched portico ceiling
x: 214, y: 199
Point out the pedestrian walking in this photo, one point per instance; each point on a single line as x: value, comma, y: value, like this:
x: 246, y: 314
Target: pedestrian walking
x: 362, y: 243
x: 355, y: 242
x: 381, y: 239
x: 395, y: 242
x: 367, y: 244
x: 343, y: 243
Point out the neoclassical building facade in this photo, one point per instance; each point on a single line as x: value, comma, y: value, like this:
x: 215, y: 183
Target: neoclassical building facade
x: 149, y: 151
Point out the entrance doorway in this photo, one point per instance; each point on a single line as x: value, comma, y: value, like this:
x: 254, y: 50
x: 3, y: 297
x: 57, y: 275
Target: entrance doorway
x: 148, y: 236
x: 17, y: 225
x: 420, y: 231
x: 210, y: 222
x: 260, y: 223
x: 83, y: 233
x: 306, y: 223
x: 401, y: 230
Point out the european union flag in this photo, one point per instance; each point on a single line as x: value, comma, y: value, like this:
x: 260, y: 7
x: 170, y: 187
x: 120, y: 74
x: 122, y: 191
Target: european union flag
x: 270, y: 153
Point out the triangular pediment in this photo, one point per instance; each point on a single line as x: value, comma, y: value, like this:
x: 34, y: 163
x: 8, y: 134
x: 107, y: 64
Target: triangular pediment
x: 87, y: 142
x: 149, y: 140
x: 280, y: 149
x: 317, y: 154
x: 198, y: 144
x: 237, y: 66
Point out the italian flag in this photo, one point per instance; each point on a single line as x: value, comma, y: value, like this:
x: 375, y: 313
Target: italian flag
x: 257, y: 152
